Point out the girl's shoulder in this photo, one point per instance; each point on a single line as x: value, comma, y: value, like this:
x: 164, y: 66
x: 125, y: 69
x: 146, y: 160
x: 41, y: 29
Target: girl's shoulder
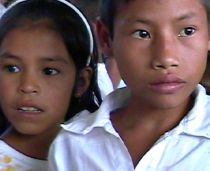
x: 11, y: 159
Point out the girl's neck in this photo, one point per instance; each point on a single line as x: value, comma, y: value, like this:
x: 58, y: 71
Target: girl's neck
x: 35, y: 146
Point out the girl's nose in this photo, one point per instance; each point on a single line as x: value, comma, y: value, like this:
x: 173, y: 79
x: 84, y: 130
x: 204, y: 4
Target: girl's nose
x: 29, y: 84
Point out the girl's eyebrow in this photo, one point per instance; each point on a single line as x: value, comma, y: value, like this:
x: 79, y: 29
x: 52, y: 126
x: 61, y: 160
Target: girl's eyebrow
x: 7, y: 55
x: 55, y: 59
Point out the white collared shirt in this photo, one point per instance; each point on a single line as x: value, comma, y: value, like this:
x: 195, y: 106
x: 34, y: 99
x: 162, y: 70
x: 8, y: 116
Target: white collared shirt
x: 2, y: 9
x: 90, y: 143
x: 104, y: 82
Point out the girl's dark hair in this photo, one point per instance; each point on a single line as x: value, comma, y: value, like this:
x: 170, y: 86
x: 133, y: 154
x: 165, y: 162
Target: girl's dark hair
x: 65, y: 21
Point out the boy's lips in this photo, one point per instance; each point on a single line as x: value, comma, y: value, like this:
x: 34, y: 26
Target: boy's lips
x: 167, y: 85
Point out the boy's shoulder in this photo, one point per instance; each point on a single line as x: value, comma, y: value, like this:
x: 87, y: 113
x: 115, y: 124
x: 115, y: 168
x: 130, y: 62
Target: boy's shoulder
x: 197, y: 121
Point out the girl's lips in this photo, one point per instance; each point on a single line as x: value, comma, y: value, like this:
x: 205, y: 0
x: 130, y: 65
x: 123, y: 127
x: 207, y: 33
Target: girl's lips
x: 28, y: 110
x: 167, y: 85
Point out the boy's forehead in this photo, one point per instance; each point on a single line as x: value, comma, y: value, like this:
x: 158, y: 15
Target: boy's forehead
x: 160, y: 13
x: 118, y: 3
x: 141, y: 4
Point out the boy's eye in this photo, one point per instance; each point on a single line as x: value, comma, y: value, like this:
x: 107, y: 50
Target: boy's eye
x: 12, y: 68
x: 142, y: 34
x: 188, y: 31
x: 50, y: 71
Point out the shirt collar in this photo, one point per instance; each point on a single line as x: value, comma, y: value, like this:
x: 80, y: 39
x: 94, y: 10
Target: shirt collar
x: 84, y: 122
x: 195, y: 123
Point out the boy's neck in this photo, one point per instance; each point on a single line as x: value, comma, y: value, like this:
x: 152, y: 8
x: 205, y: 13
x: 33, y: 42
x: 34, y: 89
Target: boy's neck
x: 140, y: 128
x: 134, y: 116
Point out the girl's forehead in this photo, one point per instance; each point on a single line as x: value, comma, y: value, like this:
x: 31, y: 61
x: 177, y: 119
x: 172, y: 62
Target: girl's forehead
x: 35, y: 45
x: 42, y: 23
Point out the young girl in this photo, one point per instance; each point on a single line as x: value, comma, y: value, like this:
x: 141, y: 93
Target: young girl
x: 161, y: 122
x: 47, y: 74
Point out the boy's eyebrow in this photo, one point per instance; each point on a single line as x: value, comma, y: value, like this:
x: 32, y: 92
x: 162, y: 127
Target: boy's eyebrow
x: 187, y: 16
x: 143, y: 21
x: 178, y: 18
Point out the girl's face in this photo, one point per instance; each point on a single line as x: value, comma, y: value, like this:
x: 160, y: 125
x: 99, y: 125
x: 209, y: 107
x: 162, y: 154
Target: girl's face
x: 37, y: 76
x: 161, y: 49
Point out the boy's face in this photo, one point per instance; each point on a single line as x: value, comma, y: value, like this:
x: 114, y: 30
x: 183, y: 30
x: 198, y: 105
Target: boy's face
x: 37, y: 76
x: 161, y: 48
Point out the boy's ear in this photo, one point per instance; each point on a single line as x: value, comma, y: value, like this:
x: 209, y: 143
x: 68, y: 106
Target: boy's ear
x: 209, y: 44
x: 209, y: 37
x: 104, y: 38
x: 83, y: 82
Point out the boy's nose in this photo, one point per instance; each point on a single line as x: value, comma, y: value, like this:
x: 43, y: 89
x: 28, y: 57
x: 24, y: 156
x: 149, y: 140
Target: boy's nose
x: 165, y: 54
x: 165, y: 63
x: 28, y: 85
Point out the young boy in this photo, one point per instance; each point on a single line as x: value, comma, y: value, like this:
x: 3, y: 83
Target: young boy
x: 206, y: 77
x: 161, y: 122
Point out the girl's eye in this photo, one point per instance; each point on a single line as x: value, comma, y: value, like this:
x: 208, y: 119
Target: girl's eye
x: 12, y: 68
x: 188, y: 31
x: 142, y: 34
x: 50, y: 71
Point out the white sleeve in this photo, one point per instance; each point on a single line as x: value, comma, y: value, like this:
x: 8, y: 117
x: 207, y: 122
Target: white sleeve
x: 59, y: 154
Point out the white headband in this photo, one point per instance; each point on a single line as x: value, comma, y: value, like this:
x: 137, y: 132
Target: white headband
x: 80, y: 15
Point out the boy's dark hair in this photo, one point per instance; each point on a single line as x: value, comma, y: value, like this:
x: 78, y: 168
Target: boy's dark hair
x: 108, y: 10
x: 107, y: 13
x: 66, y: 22
x: 89, y: 7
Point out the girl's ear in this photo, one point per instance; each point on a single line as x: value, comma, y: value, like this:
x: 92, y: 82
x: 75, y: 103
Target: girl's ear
x: 83, y: 82
x: 103, y: 38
